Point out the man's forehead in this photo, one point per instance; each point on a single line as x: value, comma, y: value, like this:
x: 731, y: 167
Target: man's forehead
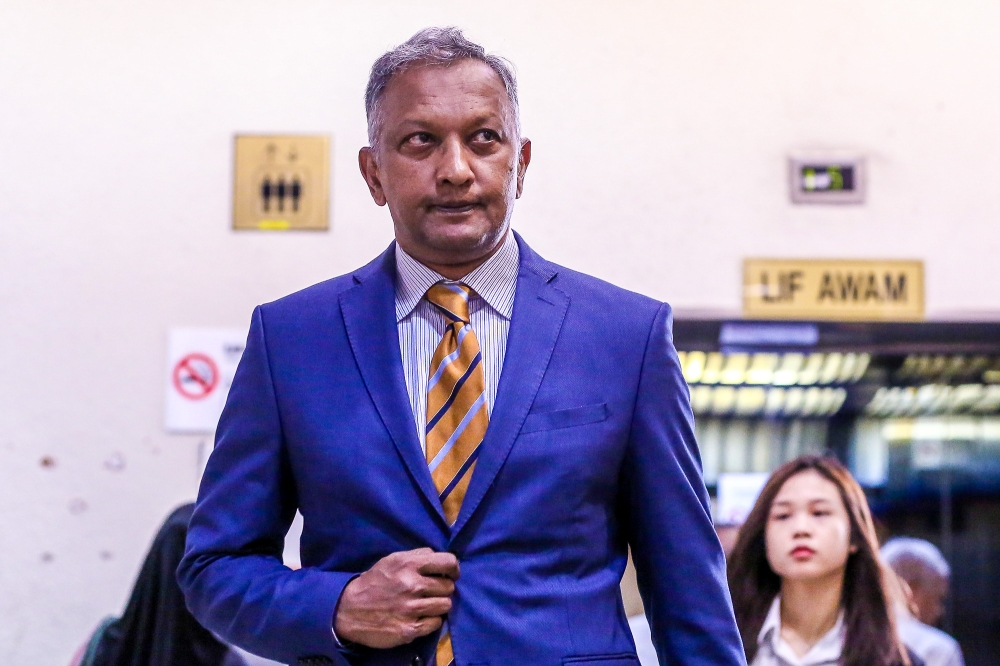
x: 467, y: 87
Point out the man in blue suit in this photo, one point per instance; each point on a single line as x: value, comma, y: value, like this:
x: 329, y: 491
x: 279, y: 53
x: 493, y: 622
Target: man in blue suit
x: 473, y: 435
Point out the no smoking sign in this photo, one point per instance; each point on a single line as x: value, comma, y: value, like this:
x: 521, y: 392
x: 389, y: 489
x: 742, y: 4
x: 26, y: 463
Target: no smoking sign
x: 201, y: 363
x: 196, y: 376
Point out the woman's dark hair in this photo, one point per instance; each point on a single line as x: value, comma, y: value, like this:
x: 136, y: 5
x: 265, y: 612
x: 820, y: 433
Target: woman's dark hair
x: 870, y: 633
x: 157, y: 629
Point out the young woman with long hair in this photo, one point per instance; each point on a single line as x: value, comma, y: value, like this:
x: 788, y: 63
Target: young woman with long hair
x: 807, y: 583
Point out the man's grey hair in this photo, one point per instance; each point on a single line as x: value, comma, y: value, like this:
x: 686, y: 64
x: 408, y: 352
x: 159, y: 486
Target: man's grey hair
x: 433, y: 46
x: 913, y: 559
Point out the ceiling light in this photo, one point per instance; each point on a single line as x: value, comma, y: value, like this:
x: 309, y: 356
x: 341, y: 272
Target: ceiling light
x: 735, y: 368
x: 809, y: 375
x: 794, y: 397
x: 762, y: 368
x: 788, y: 371
x: 750, y: 400
x: 694, y: 365
x: 831, y: 368
x: 713, y: 367
x: 723, y: 399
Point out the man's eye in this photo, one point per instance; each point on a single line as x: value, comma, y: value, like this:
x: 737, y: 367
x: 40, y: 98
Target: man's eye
x: 486, y: 135
x: 419, y: 139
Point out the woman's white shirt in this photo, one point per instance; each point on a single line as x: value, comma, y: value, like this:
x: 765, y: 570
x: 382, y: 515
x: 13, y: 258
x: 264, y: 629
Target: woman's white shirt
x: 643, y: 640
x: 772, y: 650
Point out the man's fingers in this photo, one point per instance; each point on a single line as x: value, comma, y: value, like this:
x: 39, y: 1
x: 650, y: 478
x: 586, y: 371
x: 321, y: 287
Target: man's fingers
x: 439, y: 564
x: 419, y: 552
x: 436, y: 586
x: 401, y: 598
x: 429, y: 607
x: 426, y: 625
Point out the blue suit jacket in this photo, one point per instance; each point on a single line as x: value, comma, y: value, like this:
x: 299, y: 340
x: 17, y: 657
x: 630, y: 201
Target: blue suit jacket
x: 590, y: 449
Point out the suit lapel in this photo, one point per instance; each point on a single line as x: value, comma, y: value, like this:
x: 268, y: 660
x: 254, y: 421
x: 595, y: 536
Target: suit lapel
x: 539, y: 310
x: 370, y: 319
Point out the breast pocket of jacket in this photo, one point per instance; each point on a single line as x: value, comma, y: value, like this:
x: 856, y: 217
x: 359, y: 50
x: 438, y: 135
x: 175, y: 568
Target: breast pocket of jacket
x: 565, y: 418
x: 602, y: 660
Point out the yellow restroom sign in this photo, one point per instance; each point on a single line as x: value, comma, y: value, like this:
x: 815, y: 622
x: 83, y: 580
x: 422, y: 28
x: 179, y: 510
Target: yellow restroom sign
x: 872, y: 290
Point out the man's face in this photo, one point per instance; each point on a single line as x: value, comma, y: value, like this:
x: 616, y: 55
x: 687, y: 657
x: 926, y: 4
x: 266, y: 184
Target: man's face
x: 448, y: 164
x: 929, y: 596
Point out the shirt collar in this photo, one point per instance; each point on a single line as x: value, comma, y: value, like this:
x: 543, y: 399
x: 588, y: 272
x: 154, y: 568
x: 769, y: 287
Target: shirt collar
x: 495, y: 281
x: 826, y: 650
x: 772, y: 622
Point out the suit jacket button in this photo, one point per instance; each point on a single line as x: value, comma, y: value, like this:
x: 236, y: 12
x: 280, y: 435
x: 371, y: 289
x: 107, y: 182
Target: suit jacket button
x: 417, y: 661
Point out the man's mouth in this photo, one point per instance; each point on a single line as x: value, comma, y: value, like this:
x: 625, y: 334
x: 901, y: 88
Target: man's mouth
x: 454, y: 207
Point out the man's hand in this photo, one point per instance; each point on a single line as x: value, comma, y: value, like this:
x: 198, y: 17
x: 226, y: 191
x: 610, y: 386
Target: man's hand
x: 400, y: 599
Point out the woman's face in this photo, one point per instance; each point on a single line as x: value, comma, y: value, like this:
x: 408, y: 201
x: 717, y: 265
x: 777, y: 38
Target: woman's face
x: 808, y: 533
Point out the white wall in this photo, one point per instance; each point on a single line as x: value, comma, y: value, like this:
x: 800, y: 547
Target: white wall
x: 660, y: 132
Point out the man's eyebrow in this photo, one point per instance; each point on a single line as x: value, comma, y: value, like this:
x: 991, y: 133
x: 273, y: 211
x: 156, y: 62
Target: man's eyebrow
x: 478, y: 121
x: 486, y: 118
x: 414, y: 123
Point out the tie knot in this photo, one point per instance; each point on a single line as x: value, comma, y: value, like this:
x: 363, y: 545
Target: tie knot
x: 452, y: 298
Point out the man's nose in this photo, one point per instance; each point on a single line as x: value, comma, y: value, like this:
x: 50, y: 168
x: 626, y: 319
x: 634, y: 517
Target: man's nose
x: 454, y: 167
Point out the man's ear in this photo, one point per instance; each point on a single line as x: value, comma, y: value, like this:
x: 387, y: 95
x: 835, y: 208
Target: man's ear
x: 369, y: 170
x: 523, y: 160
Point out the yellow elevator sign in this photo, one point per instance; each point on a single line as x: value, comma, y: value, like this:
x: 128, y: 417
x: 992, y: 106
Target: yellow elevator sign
x: 281, y: 182
x: 837, y: 289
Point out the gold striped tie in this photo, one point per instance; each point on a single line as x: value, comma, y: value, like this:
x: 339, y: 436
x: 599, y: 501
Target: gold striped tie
x: 457, y: 415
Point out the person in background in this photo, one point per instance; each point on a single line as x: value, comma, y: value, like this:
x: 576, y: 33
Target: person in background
x: 156, y: 628
x: 924, y: 571
x: 807, y: 584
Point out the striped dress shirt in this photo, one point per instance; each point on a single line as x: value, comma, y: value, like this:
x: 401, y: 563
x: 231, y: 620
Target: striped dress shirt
x: 421, y: 325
